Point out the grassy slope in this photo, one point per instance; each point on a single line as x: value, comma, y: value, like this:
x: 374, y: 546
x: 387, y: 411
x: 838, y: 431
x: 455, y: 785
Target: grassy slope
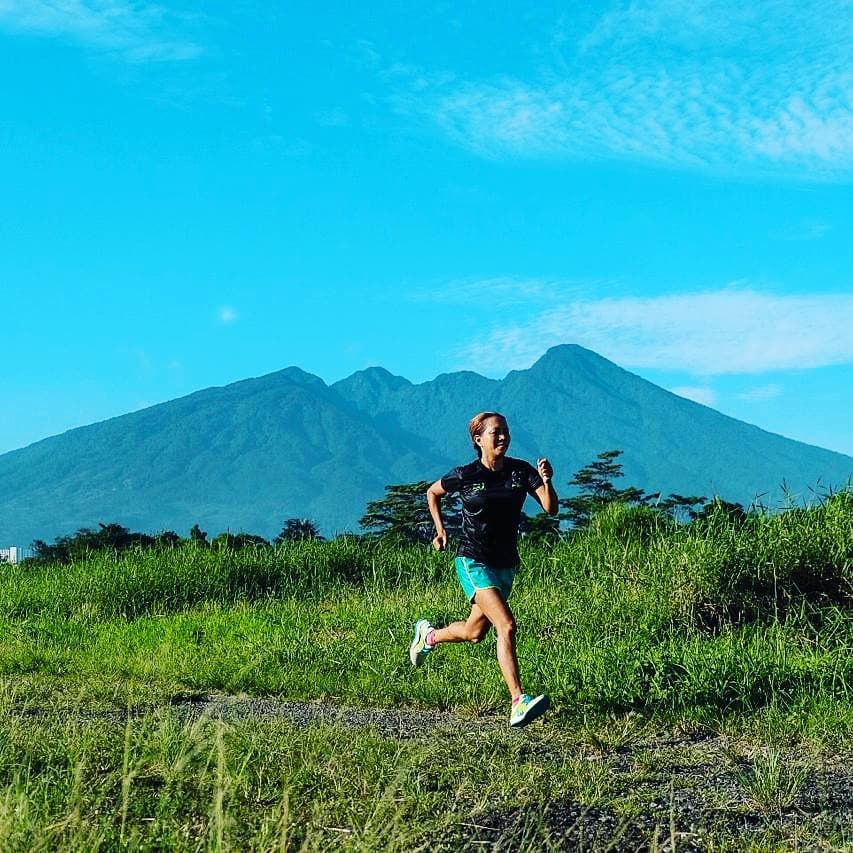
x: 626, y: 617
x: 627, y: 623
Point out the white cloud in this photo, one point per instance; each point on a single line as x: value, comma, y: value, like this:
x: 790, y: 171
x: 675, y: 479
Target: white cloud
x: 698, y: 393
x: 726, y: 331
x: 497, y: 292
x: 138, y: 32
x: 227, y: 315
x: 715, y: 86
x: 762, y: 392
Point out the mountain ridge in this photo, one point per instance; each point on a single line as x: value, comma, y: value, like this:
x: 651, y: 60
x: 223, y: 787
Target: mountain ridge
x: 246, y: 455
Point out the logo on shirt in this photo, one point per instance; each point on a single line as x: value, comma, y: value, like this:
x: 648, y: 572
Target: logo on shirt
x: 517, y: 480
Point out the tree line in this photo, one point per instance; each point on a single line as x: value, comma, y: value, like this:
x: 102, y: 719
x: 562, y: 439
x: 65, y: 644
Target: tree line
x: 115, y: 537
x: 401, y: 516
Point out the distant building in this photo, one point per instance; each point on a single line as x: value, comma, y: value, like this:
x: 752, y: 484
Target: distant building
x: 11, y: 555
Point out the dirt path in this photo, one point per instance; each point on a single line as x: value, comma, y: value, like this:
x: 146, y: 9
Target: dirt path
x: 400, y: 723
x: 389, y: 722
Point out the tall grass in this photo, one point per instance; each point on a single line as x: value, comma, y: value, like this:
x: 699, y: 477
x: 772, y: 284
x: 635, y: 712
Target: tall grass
x: 629, y: 560
x: 716, y: 618
x: 167, y: 580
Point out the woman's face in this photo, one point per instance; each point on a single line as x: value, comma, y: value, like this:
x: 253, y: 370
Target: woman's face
x: 494, y: 437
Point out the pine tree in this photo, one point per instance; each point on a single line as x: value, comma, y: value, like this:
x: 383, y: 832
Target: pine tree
x: 403, y: 514
x: 681, y: 507
x: 597, y: 490
x: 296, y: 530
x: 198, y: 535
x: 541, y: 528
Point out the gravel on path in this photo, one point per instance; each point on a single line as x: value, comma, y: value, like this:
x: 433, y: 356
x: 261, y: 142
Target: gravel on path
x: 402, y: 723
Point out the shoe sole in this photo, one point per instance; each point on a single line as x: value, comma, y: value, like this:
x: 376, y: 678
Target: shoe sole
x: 535, y: 711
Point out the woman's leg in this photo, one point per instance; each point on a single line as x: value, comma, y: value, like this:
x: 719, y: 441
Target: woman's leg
x: 493, y: 606
x: 472, y: 630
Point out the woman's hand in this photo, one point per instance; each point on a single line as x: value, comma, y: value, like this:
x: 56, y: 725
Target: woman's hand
x: 545, y: 494
x: 439, y: 541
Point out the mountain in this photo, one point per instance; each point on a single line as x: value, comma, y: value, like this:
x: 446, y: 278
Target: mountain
x: 248, y: 455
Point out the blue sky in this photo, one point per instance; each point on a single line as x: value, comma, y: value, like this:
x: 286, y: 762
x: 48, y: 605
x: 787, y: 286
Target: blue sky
x: 194, y: 197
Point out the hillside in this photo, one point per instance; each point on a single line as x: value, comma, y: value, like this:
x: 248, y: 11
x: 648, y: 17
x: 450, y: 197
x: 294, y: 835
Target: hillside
x: 248, y: 455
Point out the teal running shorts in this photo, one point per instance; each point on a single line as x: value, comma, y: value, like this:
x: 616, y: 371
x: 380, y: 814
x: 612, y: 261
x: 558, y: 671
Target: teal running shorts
x: 473, y: 576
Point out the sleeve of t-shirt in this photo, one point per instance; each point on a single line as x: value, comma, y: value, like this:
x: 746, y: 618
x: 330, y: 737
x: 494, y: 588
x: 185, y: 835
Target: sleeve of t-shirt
x: 534, y: 481
x: 452, y: 481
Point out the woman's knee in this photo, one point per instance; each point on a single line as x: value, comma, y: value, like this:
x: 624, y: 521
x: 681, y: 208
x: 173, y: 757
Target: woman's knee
x: 506, y: 627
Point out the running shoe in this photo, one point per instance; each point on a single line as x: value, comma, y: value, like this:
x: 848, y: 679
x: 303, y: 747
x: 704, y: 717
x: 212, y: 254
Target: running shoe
x: 419, y: 648
x: 527, y: 709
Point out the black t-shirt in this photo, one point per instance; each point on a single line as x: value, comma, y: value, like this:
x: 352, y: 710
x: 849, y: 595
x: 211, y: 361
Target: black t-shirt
x: 491, y: 508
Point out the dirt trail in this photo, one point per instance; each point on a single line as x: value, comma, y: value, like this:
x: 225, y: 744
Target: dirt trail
x: 389, y: 722
x: 401, y: 723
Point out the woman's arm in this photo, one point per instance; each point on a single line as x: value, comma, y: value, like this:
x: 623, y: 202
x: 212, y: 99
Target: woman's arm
x: 545, y: 494
x: 434, y: 495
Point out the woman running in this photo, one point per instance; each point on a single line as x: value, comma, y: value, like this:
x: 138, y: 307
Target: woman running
x: 493, y: 489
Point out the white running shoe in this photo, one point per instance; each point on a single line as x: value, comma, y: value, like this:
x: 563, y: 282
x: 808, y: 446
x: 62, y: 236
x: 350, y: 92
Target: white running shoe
x: 527, y: 709
x: 419, y: 648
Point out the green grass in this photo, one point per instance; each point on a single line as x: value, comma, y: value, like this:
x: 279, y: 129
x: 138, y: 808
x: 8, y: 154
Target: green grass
x: 612, y: 621
x: 770, y: 782
x: 633, y: 627
x: 161, y: 781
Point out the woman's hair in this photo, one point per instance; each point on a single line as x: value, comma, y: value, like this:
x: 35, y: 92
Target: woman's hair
x: 475, y: 427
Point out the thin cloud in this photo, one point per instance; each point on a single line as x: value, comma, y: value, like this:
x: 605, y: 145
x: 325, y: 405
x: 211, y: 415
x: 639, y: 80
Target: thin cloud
x: 698, y: 393
x: 728, y: 331
x: 137, y: 32
x: 227, y: 315
x: 667, y: 83
x: 497, y: 292
x: 761, y: 393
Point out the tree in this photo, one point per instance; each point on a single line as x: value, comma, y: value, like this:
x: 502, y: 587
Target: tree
x: 681, y: 507
x: 46, y: 553
x: 198, y: 535
x: 168, y: 539
x: 597, y: 490
x: 540, y: 528
x: 87, y: 540
x: 297, y: 530
x: 403, y: 514
x: 719, y: 510
x: 237, y: 541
